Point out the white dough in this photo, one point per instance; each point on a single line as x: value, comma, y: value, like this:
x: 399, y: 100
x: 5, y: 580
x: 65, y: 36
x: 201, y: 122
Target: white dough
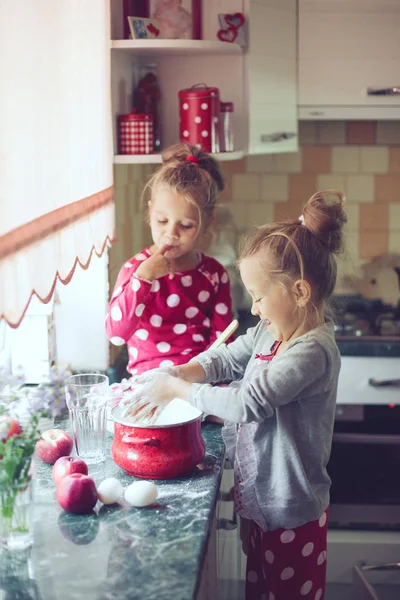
x: 141, y: 493
x: 110, y: 490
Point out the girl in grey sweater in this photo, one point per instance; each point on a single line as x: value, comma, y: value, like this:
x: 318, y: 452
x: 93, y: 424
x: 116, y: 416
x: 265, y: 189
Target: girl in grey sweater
x: 279, y: 409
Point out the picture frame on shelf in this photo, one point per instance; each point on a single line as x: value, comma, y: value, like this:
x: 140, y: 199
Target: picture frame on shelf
x: 178, y: 19
x: 144, y: 29
x: 232, y: 28
x: 139, y: 8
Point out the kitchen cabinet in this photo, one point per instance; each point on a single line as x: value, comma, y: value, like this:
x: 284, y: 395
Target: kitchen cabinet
x: 347, y: 47
x: 260, y: 80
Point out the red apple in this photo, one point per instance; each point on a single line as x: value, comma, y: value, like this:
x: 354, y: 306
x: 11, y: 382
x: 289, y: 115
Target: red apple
x: 53, y: 444
x: 77, y: 493
x: 8, y: 427
x: 67, y: 465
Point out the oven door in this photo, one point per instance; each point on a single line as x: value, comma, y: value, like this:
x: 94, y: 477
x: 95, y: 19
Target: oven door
x: 365, y: 472
x: 376, y: 582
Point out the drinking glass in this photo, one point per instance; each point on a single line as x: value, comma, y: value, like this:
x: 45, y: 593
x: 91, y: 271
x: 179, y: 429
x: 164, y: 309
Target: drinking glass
x: 87, y: 396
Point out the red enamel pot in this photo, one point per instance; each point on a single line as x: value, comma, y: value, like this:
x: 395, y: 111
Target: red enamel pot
x: 157, y: 451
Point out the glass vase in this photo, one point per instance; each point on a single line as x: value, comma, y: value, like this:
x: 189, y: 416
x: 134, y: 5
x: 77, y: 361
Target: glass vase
x: 16, y: 519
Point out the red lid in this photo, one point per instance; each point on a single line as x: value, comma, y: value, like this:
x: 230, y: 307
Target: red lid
x: 133, y: 116
x: 226, y: 106
x: 200, y: 90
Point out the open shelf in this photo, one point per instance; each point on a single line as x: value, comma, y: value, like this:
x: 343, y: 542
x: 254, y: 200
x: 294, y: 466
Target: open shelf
x: 175, y: 47
x: 135, y: 159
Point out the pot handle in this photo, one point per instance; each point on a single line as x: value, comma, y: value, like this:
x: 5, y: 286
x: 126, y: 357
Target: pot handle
x: 146, y: 442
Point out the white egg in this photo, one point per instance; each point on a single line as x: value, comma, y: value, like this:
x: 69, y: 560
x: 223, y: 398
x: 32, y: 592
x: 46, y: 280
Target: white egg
x: 110, y: 490
x: 141, y: 493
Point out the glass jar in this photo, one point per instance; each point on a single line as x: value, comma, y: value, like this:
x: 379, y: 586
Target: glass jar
x: 226, y: 127
x: 147, y: 101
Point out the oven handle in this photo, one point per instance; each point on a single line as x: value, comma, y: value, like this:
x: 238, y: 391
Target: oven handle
x: 381, y: 567
x: 366, y: 438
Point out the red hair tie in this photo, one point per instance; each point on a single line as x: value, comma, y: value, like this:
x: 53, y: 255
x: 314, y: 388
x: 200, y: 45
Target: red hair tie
x: 192, y: 159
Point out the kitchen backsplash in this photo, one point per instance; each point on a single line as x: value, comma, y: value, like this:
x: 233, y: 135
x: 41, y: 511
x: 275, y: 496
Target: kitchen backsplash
x: 361, y: 158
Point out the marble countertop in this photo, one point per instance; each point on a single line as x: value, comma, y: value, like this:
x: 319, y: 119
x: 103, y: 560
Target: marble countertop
x: 119, y: 553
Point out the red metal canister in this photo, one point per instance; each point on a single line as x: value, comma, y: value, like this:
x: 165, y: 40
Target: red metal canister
x: 136, y: 133
x: 199, y: 111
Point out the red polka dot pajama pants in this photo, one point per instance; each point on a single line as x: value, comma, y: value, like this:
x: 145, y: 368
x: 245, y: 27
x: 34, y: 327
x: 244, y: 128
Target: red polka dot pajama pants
x: 288, y: 564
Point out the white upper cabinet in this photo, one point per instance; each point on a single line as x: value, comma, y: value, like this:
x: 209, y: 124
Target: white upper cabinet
x: 271, y: 76
x: 349, y: 56
x: 260, y: 80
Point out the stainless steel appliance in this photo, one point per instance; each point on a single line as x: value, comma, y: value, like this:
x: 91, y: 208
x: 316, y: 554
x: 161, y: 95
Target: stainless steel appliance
x: 364, y: 468
x: 376, y: 582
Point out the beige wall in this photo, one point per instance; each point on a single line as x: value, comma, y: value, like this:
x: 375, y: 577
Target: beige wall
x: 361, y: 158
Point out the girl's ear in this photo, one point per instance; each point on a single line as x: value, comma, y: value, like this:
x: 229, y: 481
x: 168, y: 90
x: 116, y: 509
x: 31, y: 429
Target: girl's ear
x: 302, y: 291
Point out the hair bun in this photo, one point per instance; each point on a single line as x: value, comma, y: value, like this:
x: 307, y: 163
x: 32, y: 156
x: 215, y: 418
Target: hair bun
x: 324, y: 216
x: 177, y: 156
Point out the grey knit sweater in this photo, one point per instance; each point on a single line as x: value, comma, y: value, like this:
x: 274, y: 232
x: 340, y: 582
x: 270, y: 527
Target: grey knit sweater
x: 289, y: 406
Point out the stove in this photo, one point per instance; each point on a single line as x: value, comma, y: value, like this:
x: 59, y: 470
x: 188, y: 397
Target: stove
x: 366, y: 327
x: 355, y: 316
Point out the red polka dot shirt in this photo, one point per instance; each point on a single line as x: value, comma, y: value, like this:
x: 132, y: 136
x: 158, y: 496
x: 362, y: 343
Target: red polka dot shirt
x: 168, y: 321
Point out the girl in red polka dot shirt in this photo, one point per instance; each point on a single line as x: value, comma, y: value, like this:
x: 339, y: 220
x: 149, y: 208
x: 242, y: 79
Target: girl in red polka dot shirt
x: 279, y: 408
x: 171, y: 301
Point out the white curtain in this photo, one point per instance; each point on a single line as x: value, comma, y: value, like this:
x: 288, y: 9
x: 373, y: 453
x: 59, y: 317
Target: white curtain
x: 56, y: 194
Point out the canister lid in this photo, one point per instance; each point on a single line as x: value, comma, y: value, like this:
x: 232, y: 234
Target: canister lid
x: 226, y: 107
x: 134, y: 116
x: 200, y: 90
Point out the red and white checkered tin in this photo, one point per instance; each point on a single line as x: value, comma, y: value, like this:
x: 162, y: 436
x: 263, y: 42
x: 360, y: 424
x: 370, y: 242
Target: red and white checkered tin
x: 199, y: 109
x: 136, y: 133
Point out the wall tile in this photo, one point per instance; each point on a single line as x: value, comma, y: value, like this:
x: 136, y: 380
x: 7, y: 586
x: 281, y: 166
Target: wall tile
x: 331, y: 132
x: 227, y: 193
x: 229, y: 169
x: 302, y: 187
x: 274, y: 187
x: 351, y: 250
x: 394, y: 242
x: 233, y: 167
x: 307, y: 132
x: 287, y: 210
x: 348, y: 267
x: 260, y: 163
x: 387, y: 188
x: 374, y: 159
x: 361, y: 132
x: 288, y: 163
x: 353, y: 218
x: 374, y: 217
x: 373, y: 243
x: 394, y: 217
x: 388, y: 132
x: 246, y: 187
x: 259, y: 214
x: 239, y: 213
x: 360, y: 188
x: 316, y: 159
x: 331, y: 182
x: 394, y: 160
x: 345, y: 159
